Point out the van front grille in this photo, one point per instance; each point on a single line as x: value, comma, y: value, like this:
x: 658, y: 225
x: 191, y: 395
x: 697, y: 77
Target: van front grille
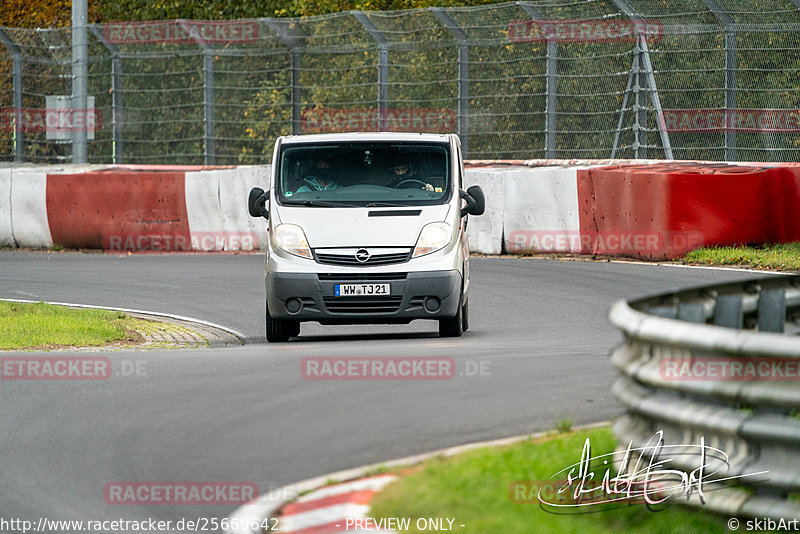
x: 375, y: 259
x: 363, y: 305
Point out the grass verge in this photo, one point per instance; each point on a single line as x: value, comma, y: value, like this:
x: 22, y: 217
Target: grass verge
x: 475, y: 488
x: 26, y: 326
x: 785, y: 256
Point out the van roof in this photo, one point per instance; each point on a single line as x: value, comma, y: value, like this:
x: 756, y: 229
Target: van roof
x: 365, y: 136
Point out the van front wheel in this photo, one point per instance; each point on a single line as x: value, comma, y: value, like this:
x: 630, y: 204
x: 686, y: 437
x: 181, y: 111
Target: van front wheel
x: 452, y: 326
x: 280, y: 330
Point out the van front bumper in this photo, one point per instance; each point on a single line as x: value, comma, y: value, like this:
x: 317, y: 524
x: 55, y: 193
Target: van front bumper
x: 413, y: 295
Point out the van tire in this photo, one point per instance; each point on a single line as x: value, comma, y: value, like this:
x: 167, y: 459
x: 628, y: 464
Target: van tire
x: 452, y: 326
x: 280, y: 330
x: 465, y: 316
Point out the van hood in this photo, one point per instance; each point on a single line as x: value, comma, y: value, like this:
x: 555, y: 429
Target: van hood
x: 361, y: 227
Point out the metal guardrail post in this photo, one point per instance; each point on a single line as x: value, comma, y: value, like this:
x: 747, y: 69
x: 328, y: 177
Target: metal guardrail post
x: 116, y: 93
x: 383, y: 65
x: 731, y: 66
x: 209, y: 144
x: 463, y: 74
x: 551, y: 84
x: 751, y: 417
x: 728, y: 311
x: 772, y: 310
x: 292, y: 40
x: 16, y: 58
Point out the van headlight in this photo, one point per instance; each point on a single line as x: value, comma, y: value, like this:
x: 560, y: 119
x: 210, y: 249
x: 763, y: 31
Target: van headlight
x: 433, y: 237
x: 291, y: 238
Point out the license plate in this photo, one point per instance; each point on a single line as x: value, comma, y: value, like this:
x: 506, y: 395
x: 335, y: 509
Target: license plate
x: 361, y: 290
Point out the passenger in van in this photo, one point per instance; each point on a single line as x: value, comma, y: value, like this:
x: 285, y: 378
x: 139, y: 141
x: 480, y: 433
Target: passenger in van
x: 403, y: 171
x: 321, y: 180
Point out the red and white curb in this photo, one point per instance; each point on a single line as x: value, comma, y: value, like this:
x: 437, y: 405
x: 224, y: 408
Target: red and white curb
x: 333, y: 508
x: 249, y: 518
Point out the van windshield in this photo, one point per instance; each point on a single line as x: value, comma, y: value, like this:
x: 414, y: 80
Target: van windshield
x: 364, y: 174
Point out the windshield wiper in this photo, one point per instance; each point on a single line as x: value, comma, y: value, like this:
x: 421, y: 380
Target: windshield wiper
x: 322, y: 204
x: 386, y: 205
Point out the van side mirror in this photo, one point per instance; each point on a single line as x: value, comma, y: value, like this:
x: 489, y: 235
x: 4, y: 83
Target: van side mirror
x: 476, y: 202
x: 256, y: 203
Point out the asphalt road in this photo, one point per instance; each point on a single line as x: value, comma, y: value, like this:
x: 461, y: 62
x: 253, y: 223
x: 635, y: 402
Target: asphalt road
x: 538, y: 331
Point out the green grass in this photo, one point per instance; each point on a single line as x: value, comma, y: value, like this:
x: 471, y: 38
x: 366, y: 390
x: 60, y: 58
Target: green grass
x: 784, y: 256
x: 474, y: 488
x: 564, y: 425
x: 40, y: 325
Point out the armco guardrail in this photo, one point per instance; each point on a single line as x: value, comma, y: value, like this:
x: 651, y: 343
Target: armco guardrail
x: 719, y: 362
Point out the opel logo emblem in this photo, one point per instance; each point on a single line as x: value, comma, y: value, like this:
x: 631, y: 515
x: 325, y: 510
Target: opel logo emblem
x: 362, y: 255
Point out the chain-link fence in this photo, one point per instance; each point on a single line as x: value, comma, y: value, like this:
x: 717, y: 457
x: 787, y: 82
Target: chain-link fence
x: 687, y: 79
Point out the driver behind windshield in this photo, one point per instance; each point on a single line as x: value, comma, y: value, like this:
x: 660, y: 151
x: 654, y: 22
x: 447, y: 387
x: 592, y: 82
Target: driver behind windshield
x: 321, y: 179
x: 402, y: 173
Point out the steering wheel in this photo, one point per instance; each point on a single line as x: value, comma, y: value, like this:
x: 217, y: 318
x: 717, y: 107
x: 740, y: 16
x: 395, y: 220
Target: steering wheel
x: 411, y: 180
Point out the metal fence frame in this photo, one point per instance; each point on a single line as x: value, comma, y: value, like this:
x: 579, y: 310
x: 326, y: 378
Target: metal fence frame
x: 641, y: 88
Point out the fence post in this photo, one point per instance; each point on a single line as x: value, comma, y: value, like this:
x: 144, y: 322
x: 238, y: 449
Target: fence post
x: 639, y: 106
x: 730, y: 75
x: 209, y: 156
x: 551, y: 83
x: 383, y: 65
x: 16, y: 55
x: 463, y: 74
x: 116, y: 93
x: 292, y: 40
x: 80, y: 77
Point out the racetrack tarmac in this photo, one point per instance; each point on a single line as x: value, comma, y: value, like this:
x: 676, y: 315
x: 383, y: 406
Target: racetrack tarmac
x: 538, y: 330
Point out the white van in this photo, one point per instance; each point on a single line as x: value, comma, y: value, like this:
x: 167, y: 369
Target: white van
x: 366, y: 228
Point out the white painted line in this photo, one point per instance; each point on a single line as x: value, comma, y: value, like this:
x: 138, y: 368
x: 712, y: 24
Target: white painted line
x: 264, y: 506
x: 586, y: 258
x: 236, y: 333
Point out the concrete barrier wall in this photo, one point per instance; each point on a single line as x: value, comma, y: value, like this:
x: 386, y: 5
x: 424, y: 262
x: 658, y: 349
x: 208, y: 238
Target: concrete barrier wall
x: 541, y: 210
x: 654, y: 210
x: 6, y: 230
